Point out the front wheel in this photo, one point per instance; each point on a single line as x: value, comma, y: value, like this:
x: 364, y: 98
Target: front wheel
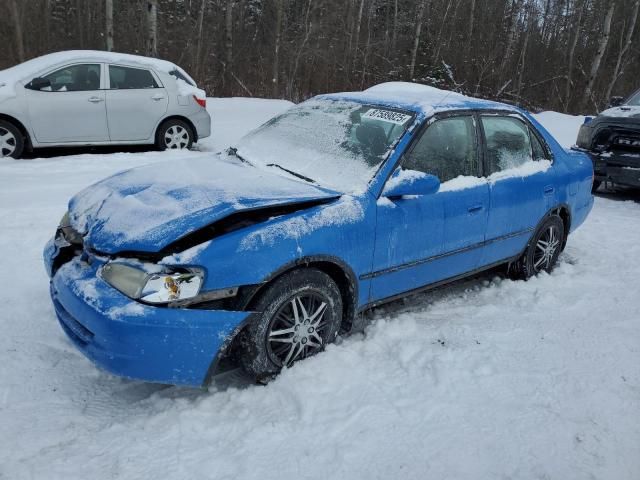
x: 174, y: 135
x: 543, y: 250
x: 300, y: 313
x: 11, y: 140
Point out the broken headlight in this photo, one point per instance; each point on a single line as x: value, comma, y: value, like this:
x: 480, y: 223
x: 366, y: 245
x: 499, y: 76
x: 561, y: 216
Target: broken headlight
x: 70, y: 234
x: 161, y: 287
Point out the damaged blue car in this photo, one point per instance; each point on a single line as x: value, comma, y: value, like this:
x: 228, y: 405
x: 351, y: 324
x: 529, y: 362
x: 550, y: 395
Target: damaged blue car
x: 262, y: 255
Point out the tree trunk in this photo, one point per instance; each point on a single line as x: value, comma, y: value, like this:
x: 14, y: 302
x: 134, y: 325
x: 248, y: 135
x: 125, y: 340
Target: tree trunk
x: 511, y: 36
x: 108, y: 5
x: 472, y: 13
x: 625, y: 48
x: 572, y: 51
x: 17, y: 26
x: 394, y: 34
x: 276, y: 49
x: 354, y: 54
x: 228, y: 42
x: 198, y: 58
x: 416, y: 38
x: 152, y: 28
x: 602, y: 47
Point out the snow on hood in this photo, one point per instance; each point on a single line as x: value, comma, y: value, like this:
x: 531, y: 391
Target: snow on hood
x: 623, y: 111
x: 147, y: 208
x: 30, y: 68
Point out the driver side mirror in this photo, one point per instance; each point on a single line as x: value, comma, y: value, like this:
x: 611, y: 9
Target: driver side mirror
x: 39, y: 83
x: 616, y: 101
x: 410, y: 182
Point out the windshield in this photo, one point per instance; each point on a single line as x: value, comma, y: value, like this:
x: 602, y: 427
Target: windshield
x: 335, y: 143
x: 635, y: 100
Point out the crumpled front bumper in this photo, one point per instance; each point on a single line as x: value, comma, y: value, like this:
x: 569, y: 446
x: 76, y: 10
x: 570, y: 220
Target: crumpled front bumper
x: 130, y: 339
x: 621, y: 168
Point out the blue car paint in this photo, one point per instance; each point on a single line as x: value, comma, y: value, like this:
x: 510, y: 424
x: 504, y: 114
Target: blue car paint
x: 385, y: 248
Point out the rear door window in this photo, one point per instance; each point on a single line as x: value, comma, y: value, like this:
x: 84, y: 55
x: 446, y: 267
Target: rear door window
x: 446, y: 149
x: 128, y: 78
x: 508, y: 144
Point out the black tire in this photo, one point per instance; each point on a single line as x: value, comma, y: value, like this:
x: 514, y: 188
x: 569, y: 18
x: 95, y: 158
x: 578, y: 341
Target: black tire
x: 174, y: 134
x: 542, y: 251
x: 596, y: 185
x: 11, y: 140
x: 274, y: 338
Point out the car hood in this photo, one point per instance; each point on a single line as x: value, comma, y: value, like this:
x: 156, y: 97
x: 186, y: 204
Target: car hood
x: 147, y: 208
x: 623, y: 111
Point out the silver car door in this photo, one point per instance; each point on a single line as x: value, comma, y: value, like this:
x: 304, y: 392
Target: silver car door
x: 68, y: 105
x: 136, y: 101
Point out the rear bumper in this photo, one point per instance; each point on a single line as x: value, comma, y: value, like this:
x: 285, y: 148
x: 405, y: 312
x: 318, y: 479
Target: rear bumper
x: 202, y: 121
x: 129, y: 339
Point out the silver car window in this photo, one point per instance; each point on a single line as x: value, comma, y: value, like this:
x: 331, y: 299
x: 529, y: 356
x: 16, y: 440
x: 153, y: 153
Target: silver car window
x: 74, y: 78
x: 127, y: 78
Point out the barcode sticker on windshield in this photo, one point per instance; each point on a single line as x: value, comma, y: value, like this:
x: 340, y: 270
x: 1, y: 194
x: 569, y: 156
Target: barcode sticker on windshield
x: 387, y: 116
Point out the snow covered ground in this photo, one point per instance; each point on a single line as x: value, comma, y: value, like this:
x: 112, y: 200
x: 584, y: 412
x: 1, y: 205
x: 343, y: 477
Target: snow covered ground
x: 487, y: 379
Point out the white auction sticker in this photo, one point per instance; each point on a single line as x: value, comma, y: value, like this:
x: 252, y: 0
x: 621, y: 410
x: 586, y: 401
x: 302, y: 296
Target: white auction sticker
x: 387, y: 116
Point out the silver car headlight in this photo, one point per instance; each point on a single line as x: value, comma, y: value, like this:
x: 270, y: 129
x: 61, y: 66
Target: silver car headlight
x: 162, y: 287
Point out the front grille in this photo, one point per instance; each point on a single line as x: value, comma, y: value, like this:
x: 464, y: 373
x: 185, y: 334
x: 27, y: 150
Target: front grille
x: 74, y: 329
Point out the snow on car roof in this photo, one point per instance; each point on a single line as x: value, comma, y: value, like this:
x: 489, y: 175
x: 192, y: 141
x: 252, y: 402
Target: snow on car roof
x: 32, y: 67
x: 418, y: 98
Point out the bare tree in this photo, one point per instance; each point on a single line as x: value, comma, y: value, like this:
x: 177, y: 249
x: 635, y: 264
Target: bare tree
x: 17, y: 25
x: 276, y: 49
x: 602, y: 46
x: 422, y: 6
x: 572, y: 50
x: 152, y: 28
x: 108, y: 14
x: 624, y: 49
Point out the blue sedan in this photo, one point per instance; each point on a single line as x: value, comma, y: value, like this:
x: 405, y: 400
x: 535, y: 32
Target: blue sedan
x: 265, y: 253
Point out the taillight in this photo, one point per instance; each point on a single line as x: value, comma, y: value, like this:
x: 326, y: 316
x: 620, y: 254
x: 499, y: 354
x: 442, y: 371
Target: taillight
x: 201, y: 101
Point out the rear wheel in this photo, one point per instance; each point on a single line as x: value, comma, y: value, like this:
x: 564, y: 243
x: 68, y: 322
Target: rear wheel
x: 174, y: 135
x: 300, y: 313
x: 11, y: 140
x: 543, y: 250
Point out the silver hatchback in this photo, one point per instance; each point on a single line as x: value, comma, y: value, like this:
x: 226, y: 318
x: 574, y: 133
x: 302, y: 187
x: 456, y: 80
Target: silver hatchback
x: 99, y: 98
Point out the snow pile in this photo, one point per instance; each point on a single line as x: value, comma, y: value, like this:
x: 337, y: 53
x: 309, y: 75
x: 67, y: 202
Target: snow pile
x: 462, y: 182
x: 563, y: 127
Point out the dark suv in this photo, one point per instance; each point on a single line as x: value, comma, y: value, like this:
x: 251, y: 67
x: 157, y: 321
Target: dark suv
x: 612, y: 140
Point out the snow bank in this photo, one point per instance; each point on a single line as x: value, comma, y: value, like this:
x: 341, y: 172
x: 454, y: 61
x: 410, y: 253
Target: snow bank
x: 563, y: 127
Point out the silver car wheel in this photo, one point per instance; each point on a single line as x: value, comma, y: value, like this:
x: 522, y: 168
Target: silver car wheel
x: 176, y: 137
x: 8, y: 143
x: 546, y: 247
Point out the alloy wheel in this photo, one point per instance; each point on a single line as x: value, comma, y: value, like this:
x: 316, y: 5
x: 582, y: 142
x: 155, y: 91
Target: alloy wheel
x: 546, y: 247
x: 8, y: 142
x: 176, y: 137
x: 297, y: 329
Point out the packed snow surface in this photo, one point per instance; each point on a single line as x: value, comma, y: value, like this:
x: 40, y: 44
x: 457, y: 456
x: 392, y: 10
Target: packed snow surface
x: 487, y: 379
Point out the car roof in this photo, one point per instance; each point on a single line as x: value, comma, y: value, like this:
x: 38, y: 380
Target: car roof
x: 419, y: 98
x: 39, y: 64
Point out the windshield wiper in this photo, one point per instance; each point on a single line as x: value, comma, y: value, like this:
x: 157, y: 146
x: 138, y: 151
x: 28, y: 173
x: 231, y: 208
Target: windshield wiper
x: 295, y: 174
x: 234, y: 151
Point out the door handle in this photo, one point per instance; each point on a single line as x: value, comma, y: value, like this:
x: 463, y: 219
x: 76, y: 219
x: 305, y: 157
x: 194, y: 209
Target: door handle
x: 475, y: 208
x: 96, y: 99
x: 157, y: 97
x: 548, y: 190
